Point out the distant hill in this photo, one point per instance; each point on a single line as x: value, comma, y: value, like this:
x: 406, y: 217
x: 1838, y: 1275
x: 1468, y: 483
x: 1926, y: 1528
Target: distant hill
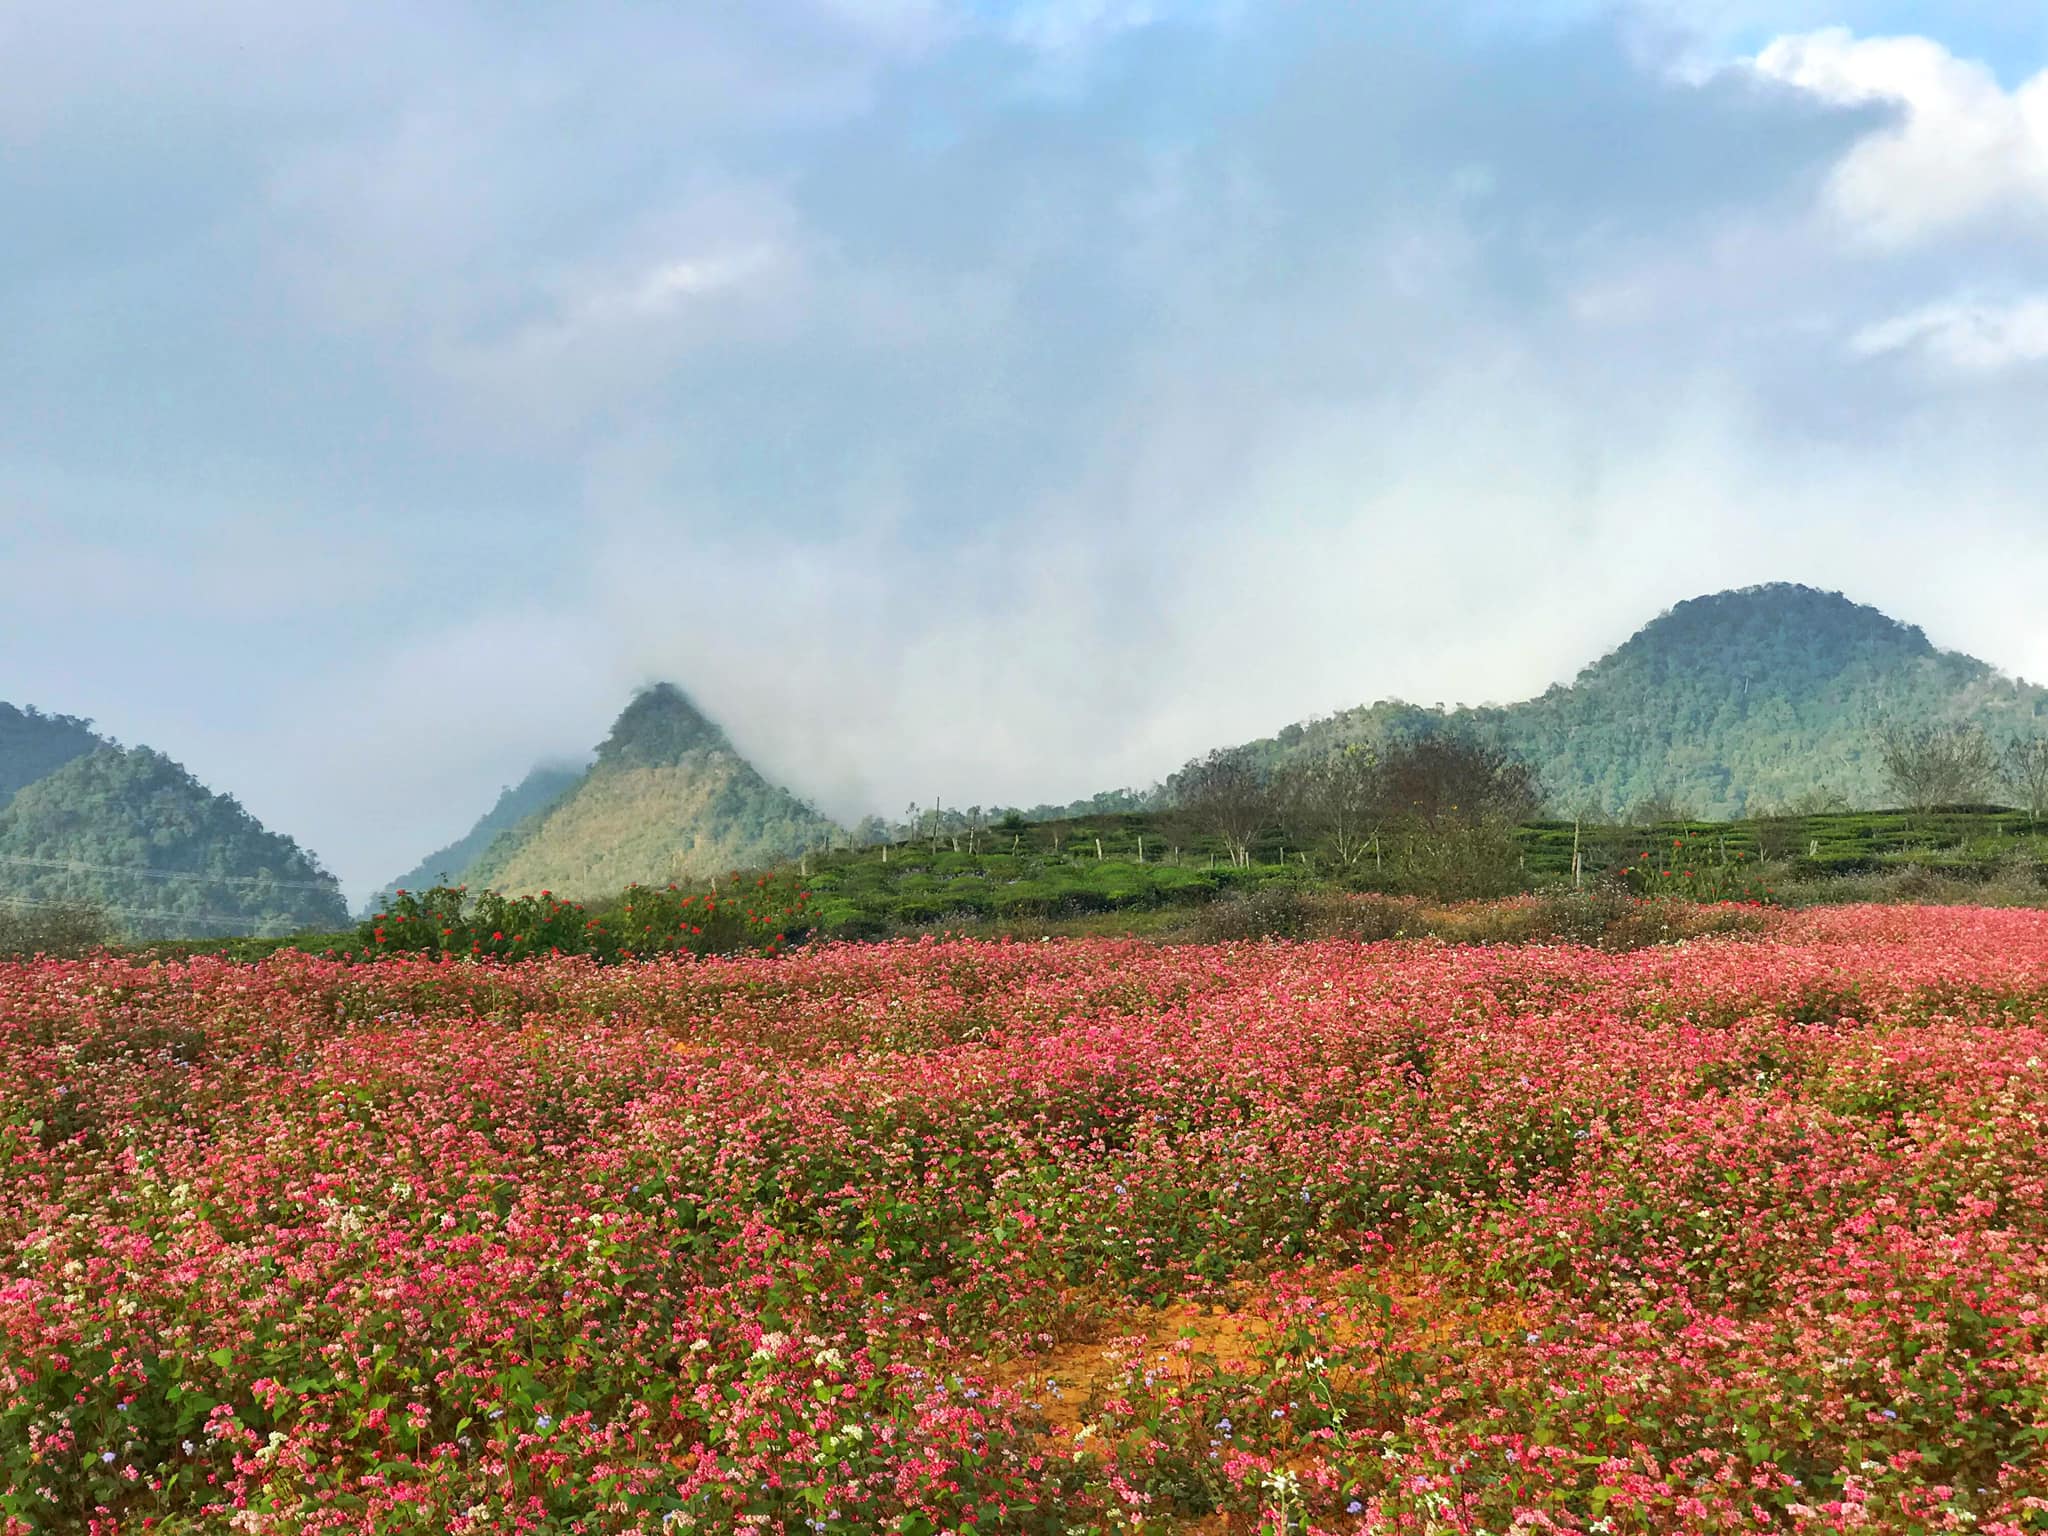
x: 668, y: 798
x: 529, y: 797
x: 33, y: 744
x: 1728, y: 705
x: 131, y: 832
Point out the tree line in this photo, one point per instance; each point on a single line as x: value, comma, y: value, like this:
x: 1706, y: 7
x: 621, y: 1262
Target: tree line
x: 1955, y: 763
x: 1436, y: 812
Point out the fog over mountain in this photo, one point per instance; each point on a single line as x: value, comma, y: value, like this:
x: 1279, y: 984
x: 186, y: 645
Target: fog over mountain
x: 990, y: 401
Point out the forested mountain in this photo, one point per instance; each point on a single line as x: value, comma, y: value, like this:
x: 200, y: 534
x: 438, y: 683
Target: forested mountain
x: 1727, y: 705
x: 529, y: 797
x: 33, y: 744
x: 131, y: 832
x: 667, y: 799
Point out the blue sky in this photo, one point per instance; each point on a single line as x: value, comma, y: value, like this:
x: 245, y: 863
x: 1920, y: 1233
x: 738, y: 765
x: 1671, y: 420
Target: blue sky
x: 996, y: 402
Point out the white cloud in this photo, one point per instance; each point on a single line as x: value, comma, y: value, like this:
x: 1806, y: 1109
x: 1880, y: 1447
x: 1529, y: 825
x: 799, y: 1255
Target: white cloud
x: 670, y: 283
x: 1960, y: 147
x: 1062, y: 26
x: 1964, y: 337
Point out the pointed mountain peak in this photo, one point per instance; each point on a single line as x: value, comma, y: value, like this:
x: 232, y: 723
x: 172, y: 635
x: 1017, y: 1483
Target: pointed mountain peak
x: 659, y: 727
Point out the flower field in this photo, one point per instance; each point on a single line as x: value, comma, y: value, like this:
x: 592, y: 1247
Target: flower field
x: 1742, y: 1234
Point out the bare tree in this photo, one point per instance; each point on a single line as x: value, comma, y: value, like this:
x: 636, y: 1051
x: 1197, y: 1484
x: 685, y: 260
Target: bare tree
x: 1815, y: 800
x: 1228, y: 794
x: 2026, y: 775
x: 1336, y: 803
x: 1457, y: 781
x: 1456, y: 802
x: 1656, y: 810
x: 1931, y: 765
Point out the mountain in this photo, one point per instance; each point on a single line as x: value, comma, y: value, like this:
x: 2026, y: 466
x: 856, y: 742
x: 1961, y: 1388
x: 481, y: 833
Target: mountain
x: 666, y: 799
x: 33, y: 744
x: 1726, y: 705
x: 529, y: 797
x: 129, y: 831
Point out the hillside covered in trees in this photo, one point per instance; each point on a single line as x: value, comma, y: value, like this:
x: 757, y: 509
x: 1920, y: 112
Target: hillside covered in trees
x: 1735, y: 704
x: 33, y: 744
x: 668, y: 798
x: 516, y: 804
x: 130, y: 832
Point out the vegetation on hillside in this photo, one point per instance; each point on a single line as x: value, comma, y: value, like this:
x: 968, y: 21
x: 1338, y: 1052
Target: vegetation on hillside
x: 532, y: 795
x: 132, y: 835
x: 1726, y: 706
x: 33, y: 744
x: 1355, y: 844
x: 1768, y: 702
x: 668, y: 799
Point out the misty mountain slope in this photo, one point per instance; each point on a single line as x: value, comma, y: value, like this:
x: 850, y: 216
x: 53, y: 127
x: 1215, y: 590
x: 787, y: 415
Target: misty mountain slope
x: 33, y: 744
x: 129, y: 830
x: 521, y: 802
x: 667, y: 799
x: 1729, y: 704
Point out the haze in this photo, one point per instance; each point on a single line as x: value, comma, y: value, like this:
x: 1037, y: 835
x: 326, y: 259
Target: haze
x: 1000, y: 403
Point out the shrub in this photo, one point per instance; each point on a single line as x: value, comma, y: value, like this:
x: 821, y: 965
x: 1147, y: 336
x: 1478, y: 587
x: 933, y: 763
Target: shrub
x: 1366, y: 919
x: 1458, y: 862
x: 761, y: 914
x: 1276, y: 912
x: 1594, y: 919
x: 61, y: 932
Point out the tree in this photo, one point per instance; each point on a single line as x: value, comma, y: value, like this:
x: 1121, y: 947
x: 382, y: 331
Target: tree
x: 1458, y: 781
x: 1817, y: 800
x: 1930, y: 765
x: 2026, y: 774
x: 1335, y: 802
x: 1657, y: 810
x: 1455, y: 802
x: 1229, y: 795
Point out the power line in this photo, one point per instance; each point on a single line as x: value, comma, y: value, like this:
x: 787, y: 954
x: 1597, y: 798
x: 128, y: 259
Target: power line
x: 76, y: 866
x: 208, y: 918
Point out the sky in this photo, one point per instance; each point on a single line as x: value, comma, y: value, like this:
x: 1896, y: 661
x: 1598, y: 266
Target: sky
x: 995, y: 402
